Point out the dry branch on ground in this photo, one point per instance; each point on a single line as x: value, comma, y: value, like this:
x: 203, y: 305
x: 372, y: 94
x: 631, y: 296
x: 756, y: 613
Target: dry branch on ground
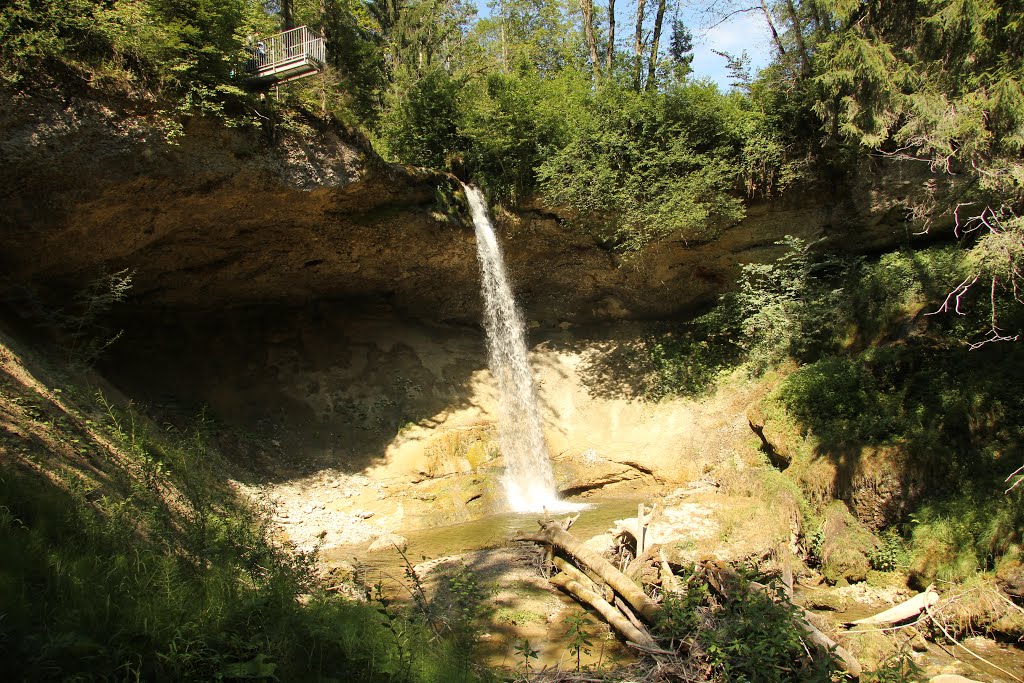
x: 592, y: 578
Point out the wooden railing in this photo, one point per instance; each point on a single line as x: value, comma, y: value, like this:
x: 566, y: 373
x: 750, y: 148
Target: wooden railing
x: 286, y: 52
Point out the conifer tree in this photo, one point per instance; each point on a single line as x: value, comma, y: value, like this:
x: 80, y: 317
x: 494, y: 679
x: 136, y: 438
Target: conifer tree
x: 939, y: 83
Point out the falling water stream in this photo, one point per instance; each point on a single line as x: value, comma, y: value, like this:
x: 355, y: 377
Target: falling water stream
x: 529, y: 481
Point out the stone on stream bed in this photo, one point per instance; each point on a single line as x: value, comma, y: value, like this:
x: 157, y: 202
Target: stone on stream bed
x: 388, y: 542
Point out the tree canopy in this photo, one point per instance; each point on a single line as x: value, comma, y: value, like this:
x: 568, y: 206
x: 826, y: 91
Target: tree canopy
x: 593, y: 107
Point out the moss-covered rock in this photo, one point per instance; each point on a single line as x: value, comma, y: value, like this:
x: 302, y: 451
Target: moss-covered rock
x: 845, y: 545
x: 879, y: 579
x: 1010, y: 578
x: 825, y: 600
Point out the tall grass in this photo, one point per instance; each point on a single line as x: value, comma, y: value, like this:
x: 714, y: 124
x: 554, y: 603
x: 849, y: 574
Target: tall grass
x: 151, y: 567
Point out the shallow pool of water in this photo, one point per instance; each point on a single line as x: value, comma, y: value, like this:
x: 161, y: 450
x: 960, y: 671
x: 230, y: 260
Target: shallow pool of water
x: 487, y: 532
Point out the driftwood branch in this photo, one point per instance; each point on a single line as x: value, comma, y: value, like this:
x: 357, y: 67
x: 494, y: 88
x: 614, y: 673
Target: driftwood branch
x: 576, y: 575
x: 628, y: 613
x: 846, y: 659
x: 559, y: 538
x: 901, y: 612
x: 595, y: 574
x: 610, y: 614
x: 564, y: 524
x: 643, y: 519
x: 669, y: 582
x: 652, y: 650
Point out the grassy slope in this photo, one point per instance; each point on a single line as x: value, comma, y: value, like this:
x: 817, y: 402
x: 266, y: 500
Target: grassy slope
x: 127, y: 554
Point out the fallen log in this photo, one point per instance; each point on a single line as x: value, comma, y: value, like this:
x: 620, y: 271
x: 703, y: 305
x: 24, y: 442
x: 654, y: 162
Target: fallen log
x: 635, y: 568
x: 846, y: 659
x: 848, y: 662
x: 575, y: 574
x: 901, y: 612
x: 669, y: 582
x: 634, y: 595
x: 611, y: 615
x: 628, y: 613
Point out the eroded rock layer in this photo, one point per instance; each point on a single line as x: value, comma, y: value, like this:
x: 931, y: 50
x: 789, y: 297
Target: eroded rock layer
x: 221, y: 217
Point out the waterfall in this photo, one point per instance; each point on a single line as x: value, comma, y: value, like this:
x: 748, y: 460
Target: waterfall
x: 529, y: 482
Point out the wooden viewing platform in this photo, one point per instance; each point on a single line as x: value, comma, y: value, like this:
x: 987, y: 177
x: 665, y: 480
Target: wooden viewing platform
x: 285, y: 57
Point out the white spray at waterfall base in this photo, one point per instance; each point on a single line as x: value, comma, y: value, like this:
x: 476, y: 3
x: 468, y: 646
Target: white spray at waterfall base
x: 529, y: 481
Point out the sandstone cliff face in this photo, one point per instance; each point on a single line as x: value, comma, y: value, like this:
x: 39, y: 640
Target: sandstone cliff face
x: 222, y: 217
x: 322, y: 304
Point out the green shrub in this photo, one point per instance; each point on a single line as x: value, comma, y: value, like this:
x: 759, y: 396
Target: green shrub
x: 152, y: 567
x: 187, y: 53
x: 756, y: 638
x: 642, y: 166
x: 955, y: 538
x: 898, y: 667
x: 420, y: 126
x: 749, y: 636
x: 891, y: 554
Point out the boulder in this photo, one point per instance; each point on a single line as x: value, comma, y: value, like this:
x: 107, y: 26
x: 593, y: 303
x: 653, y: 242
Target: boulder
x: 1010, y: 578
x: 825, y: 600
x: 845, y: 546
x: 388, y: 542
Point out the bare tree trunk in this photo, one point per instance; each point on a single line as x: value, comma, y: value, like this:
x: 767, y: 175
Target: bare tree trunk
x: 771, y: 26
x: 655, y: 39
x: 638, y: 44
x: 609, y: 59
x: 554, y: 535
x: 286, y: 15
x: 612, y: 616
x: 588, y: 30
x: 798, y: 32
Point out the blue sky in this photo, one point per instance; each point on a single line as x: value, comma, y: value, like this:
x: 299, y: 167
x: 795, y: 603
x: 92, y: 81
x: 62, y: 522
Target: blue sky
x: 744, y: 31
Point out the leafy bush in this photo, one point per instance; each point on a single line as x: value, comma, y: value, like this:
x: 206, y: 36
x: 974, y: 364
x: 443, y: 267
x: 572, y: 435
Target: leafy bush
x: 420, y: 126
x: 749, y: 636
x: 36, y: 32
x: 891, y: 554
x: 577, y: 638
x: 642, y: 166
x: 931, y: 398
x: 682, y: 613
x: 756, y: 639
x: 898, y: 667
x: 786, y: 308
x: 187, y: 52
x: 688, y: 361
x: 511, y: 124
